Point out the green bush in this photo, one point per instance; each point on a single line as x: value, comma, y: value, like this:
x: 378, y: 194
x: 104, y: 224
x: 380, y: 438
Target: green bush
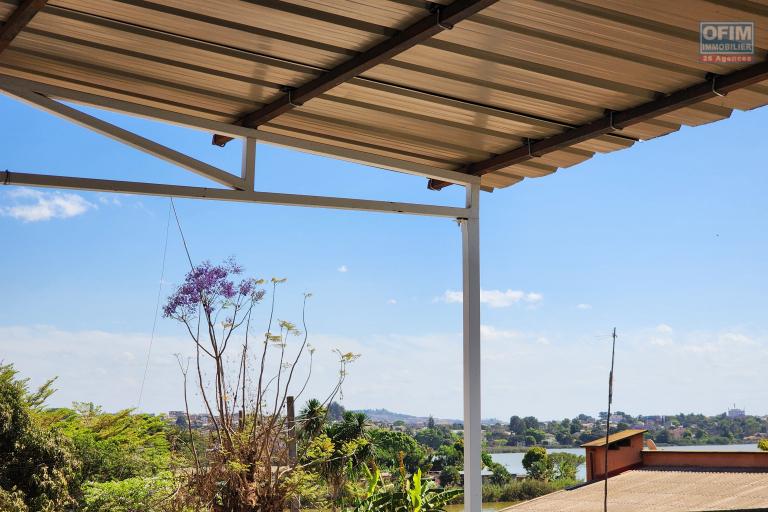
x: 114, y: 446
x: 413, y: 494
x: 36, y: 465
x: 521, y: 490
x: 145, y: 494
x: 565, y: 465
x: 538, y: 464
x: 450, y: 475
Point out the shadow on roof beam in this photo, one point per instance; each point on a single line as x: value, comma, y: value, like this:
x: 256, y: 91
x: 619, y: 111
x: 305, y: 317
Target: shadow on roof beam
x: 714, y: 85
x: 19, y: 19
x: 441, y: 18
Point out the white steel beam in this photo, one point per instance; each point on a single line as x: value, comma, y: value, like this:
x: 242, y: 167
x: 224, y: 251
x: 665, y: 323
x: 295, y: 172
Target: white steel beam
x: 126, y: 137
x: 246, y: 196
x: 231, y: 130
x: 470, y: 231
x: 248, y: 172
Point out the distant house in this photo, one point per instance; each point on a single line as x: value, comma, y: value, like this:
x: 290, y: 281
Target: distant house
x: 676, y: 433
x: 736, y: 413
x: 643, y: 479
x: 486, y: 474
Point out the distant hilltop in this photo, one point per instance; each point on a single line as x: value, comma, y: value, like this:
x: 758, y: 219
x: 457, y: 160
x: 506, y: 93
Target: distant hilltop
x: 386, y: 416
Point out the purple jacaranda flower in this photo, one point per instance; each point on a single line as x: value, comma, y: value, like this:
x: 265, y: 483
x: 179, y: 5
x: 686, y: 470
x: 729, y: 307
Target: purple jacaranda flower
x: 212, y: 286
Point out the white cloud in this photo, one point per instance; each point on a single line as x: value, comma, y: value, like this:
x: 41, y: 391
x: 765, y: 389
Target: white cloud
x: 533, y: 297
x: 342, y: 268
x: 500, y: 299
x: 110, y: 199
x: 664, y: 329
x: 583, y: 306
x: 392, y: 301
x: 523, y: 372
x: 489, y: 332
x: 451, y: 296
x: 494, y: 298
x: 99, y: 366
x: 30, y: 205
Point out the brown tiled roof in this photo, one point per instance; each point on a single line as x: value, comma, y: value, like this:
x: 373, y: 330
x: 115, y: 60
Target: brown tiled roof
x: 618, y: 436
x: 660, y: 491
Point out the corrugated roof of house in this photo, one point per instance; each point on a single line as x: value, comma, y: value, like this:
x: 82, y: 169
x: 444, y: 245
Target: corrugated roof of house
x: 661, y: 491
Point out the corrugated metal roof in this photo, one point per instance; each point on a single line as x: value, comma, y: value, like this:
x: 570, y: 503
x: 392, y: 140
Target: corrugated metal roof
x: 618, y: 436
x: 660, y: 491
x: 517, y: 70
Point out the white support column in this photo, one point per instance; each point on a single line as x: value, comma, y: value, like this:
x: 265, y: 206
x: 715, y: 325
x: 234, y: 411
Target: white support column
x: 470, y: 235
x: 248, y: 172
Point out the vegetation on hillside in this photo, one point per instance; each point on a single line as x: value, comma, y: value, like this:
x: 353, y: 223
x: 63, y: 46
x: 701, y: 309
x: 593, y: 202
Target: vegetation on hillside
x: 249, y: 455
x: 680, y: 429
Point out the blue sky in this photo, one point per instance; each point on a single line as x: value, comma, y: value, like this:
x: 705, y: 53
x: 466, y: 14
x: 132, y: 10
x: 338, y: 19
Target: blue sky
x: 667, y: 241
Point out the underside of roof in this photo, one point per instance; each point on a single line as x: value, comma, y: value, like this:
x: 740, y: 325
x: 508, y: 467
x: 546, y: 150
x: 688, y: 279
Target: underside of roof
x: 506, y: 78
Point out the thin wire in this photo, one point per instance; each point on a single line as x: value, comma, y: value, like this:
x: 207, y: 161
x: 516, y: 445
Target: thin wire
x: 157, y: 306
x: 608, y: 421
x: 181, y: 232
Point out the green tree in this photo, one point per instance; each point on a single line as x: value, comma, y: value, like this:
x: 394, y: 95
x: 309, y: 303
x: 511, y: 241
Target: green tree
x: 336, y: 412
x: 531, y: 422
x: 312, y: 419
x: 763, y: 444
x: 500, y: 474
x: 537, y: 463
x: 451, y: 454
x: 430, y: 422
x: 575, y: 426
x: 145, y: 494
x: 390, y: 446
x: 434, y: 437
x: 340, y: 453
x: 536, y: 434
x: 565, y: 465
x: 36, y: 464
x: 564, y: 437
x: 517, y: 425
x: 450, y: 475
x: 114, y: 446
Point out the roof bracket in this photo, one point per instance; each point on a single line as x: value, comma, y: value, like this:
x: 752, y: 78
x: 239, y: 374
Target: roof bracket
x: 436, y: 9
x: 529, y: 142
x: 610, y: 121
x: 289, y: 91
x: 712, y: 77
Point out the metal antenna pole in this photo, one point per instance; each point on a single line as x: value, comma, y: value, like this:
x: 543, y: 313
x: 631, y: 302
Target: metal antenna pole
x: 608, y: 422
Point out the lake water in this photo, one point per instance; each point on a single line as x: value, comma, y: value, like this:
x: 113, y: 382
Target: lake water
x: 514, y: 461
